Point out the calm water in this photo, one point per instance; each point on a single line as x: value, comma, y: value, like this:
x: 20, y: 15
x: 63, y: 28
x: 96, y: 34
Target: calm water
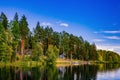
x: 81, y: 72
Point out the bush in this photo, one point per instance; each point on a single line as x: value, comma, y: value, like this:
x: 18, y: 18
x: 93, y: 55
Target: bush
x: 36, y: 52
x: 52, y: 54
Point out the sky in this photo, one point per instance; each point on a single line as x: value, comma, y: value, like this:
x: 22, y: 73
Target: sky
x: 97, y: 21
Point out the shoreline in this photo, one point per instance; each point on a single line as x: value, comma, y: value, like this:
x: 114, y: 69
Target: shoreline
x: 58, y: 62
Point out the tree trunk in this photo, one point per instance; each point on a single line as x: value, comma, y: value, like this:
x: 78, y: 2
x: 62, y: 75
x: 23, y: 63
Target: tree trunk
x: 21, y: 74
x: 71, y: 57
x: 16, y: 49
x: 22, y: 46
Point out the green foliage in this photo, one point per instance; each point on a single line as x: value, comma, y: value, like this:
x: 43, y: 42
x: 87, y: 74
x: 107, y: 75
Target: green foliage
x: 1, y: 28
x: 108, y: 56
x: 64, y: 43
x: 4, y: 20
x: 39, y: 33
x: 26, y: 58
x: 52, y: 54
x: 42, y: 59
x: 15, y: 28
x: 93, y: 52
x: 56, y: 39
x: 24, y: 30
x: 6, y: 50
x: 100, y: 57
x: 36, y: 52
x: 16, y: 33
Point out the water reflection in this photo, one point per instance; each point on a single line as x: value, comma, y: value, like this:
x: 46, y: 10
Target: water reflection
x: 81, y: 72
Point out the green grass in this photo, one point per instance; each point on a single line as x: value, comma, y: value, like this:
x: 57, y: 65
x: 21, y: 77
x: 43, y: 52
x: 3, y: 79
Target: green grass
x: 68, y: 61
x: 60, y: 62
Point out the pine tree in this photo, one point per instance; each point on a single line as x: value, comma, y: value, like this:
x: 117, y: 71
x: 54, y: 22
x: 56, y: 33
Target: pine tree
x: 16, y: 33
x: 24, y: 30
x: 71, y: 46
x: 4, y: 20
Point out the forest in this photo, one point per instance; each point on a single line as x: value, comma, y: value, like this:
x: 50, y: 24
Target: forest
x: 18, y: 42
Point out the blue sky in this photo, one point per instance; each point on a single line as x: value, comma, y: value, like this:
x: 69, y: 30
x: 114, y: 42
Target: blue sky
x: 96, y: 20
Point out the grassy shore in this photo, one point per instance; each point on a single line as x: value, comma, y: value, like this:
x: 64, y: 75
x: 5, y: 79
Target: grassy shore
x: 59, y: 62
x: 80, y: 62
x: 69, y: 62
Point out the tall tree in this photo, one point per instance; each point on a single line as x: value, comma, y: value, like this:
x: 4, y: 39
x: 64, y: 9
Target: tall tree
x: 16, y: 33
x: 81, y: 48
x: 39, y: 33
x: 87, y: 50
x: 65, y: 43
x: 4, y: 20
x: 39, y: 36
x: 56, y: 39
x: 48, y: 38
x: 49, y: 32
x: 93, y: 52
x: 24, y: 30
x: 36, y: 52
x: 6, y: 39
x: 71, y: 45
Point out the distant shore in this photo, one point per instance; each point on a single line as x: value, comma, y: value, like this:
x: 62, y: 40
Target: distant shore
x: 67, y: 62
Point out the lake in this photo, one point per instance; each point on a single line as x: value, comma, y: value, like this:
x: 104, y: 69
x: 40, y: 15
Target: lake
x: 81, y: 72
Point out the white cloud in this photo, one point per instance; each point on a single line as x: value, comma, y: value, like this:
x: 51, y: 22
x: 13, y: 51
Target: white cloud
x: 112, y: 37
x: 64, y: 24
x: 108, y: 32
x: 98, y: 40
x: 109, y: 47
x: 46, y: 24
x: 112, y: 32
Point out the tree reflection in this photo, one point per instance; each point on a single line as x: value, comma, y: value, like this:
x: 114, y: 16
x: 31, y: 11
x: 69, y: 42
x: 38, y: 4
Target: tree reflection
x: 81, y: 72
